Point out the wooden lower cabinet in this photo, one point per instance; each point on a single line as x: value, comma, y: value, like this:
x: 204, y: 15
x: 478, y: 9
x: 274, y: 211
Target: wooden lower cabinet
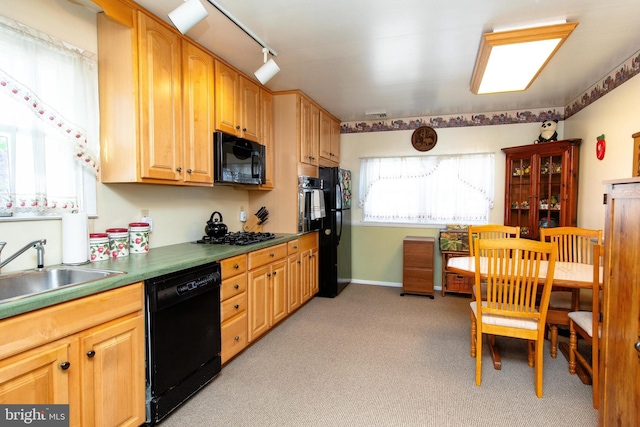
x: 308, y: 266
x: 620, y: 344
x: 293, y: 272
x: 417, y: 266
x: 233, y: 306
x: 268, y: 288
x: 88, y: 353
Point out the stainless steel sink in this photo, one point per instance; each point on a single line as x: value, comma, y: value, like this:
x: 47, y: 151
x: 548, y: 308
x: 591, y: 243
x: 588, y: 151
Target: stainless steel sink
x: 32, y: 282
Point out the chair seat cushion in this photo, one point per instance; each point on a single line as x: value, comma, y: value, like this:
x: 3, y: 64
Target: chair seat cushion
x: 507, y: 321
x: 584, y: 319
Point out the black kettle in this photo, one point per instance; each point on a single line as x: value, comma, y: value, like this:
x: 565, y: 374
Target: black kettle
x: 215, y: 227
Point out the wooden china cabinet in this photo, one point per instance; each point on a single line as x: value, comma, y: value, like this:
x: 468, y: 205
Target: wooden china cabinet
x: 541, y: 186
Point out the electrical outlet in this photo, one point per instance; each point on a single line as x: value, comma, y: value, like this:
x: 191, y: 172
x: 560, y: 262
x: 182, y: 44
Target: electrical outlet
x: 144, y: 212
x: 149, y: 221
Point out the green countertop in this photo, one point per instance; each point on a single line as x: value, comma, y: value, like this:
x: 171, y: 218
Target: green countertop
x: 156, y: 262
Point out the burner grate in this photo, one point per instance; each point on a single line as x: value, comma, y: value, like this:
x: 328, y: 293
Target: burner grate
x: 240, y: 238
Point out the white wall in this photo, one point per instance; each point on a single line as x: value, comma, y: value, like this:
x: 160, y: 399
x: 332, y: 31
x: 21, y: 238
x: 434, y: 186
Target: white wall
x: 617, y: 116
x: 179, y: 213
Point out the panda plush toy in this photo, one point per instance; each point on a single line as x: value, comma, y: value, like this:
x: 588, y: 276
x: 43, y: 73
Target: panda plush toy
x: 548, y: 131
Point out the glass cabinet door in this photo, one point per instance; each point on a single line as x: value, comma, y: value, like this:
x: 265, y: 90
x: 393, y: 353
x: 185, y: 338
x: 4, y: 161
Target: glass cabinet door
x: 519, y: 194
x: 549, y: 191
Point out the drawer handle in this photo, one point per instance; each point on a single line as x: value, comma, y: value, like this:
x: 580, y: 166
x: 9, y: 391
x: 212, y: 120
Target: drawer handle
x: 295, y: 247
x: 237, y: 338
x: 236, y: 286
x: 272, y: 254
x: 236, y: 306
x: 65, y: 365
x: 236, y: 266
x: 90, y: 354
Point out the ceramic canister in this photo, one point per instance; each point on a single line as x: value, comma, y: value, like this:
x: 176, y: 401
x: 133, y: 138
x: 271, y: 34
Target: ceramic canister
x: 98, y: 247
x: 138, y: 237
x: 118, y: 242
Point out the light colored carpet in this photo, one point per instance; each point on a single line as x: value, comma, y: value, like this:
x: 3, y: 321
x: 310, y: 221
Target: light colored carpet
x: 370, y: 357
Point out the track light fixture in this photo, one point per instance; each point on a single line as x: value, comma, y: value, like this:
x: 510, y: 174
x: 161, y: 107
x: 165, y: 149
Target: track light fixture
x: 187, y: 15
x: 268, y: 69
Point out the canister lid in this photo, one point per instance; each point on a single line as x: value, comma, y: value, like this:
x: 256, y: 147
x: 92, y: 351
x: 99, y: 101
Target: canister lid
x: 138, y: 224
x: 98, y: 235
x: 117, y: 230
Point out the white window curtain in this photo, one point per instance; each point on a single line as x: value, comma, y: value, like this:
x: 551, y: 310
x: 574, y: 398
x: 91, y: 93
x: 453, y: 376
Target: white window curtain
x: 427, y: 190
x: 49, y: 124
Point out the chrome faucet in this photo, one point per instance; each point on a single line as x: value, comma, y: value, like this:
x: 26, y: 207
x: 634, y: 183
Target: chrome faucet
x: 38, y: 245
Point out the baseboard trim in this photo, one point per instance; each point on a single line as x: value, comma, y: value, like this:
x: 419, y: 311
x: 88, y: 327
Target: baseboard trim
x: 391, y: 284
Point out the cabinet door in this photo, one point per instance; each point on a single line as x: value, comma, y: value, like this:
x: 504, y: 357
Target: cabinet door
x: 160, y: 101
x: 314, y: 139
x: 226, y: 98
x: 325, y: 136
x: 38, y: 376
x: 305, y: 276
x: 335, y: 141
x: 249, y: 114
x: 293, y: 265
x: 113, y: 377
x: 313, y: 271
x: 258, y: 307
x: 279, y: 291
x: 198, y: 95
x: 519, y: 198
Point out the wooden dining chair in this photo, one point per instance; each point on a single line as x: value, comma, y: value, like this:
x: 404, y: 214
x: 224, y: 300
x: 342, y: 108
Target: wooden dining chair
x: 516, y: 269
x: 587, y: 324
x: 574, y: 245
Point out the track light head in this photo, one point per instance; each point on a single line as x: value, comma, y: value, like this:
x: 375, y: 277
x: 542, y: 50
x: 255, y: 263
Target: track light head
x: 187, y: 15
x: 268, y: 69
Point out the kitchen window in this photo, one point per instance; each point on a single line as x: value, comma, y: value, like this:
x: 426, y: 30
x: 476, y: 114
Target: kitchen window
x: 49, y: 125
x: 427, y: 189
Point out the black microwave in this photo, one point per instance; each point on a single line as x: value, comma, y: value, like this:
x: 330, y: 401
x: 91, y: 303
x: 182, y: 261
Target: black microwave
x: 237, y: 160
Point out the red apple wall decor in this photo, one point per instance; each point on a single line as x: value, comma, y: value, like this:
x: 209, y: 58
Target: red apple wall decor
x: 601, y: 146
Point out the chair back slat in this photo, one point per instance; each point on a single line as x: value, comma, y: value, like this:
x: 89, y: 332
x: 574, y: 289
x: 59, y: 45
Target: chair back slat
x: 574, y: 244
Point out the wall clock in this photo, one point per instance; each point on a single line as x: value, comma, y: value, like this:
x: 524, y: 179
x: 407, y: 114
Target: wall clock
x: 424, y: 138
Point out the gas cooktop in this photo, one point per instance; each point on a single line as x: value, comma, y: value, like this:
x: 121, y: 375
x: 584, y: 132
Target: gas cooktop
x: 241, y: 238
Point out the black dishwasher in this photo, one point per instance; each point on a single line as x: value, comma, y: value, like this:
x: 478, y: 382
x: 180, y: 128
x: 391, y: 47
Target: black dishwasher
x: 183, y: 336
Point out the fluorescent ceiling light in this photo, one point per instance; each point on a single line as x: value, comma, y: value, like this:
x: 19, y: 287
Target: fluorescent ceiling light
x: 187, y: 15
x: 509, y: 61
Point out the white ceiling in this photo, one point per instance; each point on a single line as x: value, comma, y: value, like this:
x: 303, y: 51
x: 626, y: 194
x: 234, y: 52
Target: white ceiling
x: 412, y: 58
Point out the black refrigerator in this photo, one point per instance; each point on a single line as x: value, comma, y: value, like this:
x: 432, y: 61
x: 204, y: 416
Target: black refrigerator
x: 335, y: 234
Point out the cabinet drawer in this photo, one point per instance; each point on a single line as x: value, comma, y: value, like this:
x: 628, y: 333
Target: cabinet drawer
x: 459, y: 283
x: 234, y: 265
x: 417, y: 280
x: 233, y: 307
x: 267, y: 255
x: 293, y: 247
x: 233, y: 337
x: 233, y: 286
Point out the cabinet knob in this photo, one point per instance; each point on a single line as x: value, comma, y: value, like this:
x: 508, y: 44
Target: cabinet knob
x: 65, y: 365
x: 244, y: 129
x: 236, y: 266
x: 236, y: 306
x: 238, y: 127
x: 237, y: 338
x: 275, y: 272
x: 272, y: 254
x: 268, y: 274
x: 90, y: 354
x: 189, y: 170
x: 236, y: 286
x: 179, y: 169
x: 637, y: 347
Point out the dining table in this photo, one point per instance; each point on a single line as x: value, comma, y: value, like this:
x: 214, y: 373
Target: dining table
x: 567, y: 276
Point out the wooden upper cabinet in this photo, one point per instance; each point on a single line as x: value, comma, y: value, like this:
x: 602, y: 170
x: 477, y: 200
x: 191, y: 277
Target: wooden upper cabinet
x: 198, y: 103
x: 329, y: 140
x: 237, y: 103
x: 309, y: 131
x: 160, y: 100
x: 156, y: 104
